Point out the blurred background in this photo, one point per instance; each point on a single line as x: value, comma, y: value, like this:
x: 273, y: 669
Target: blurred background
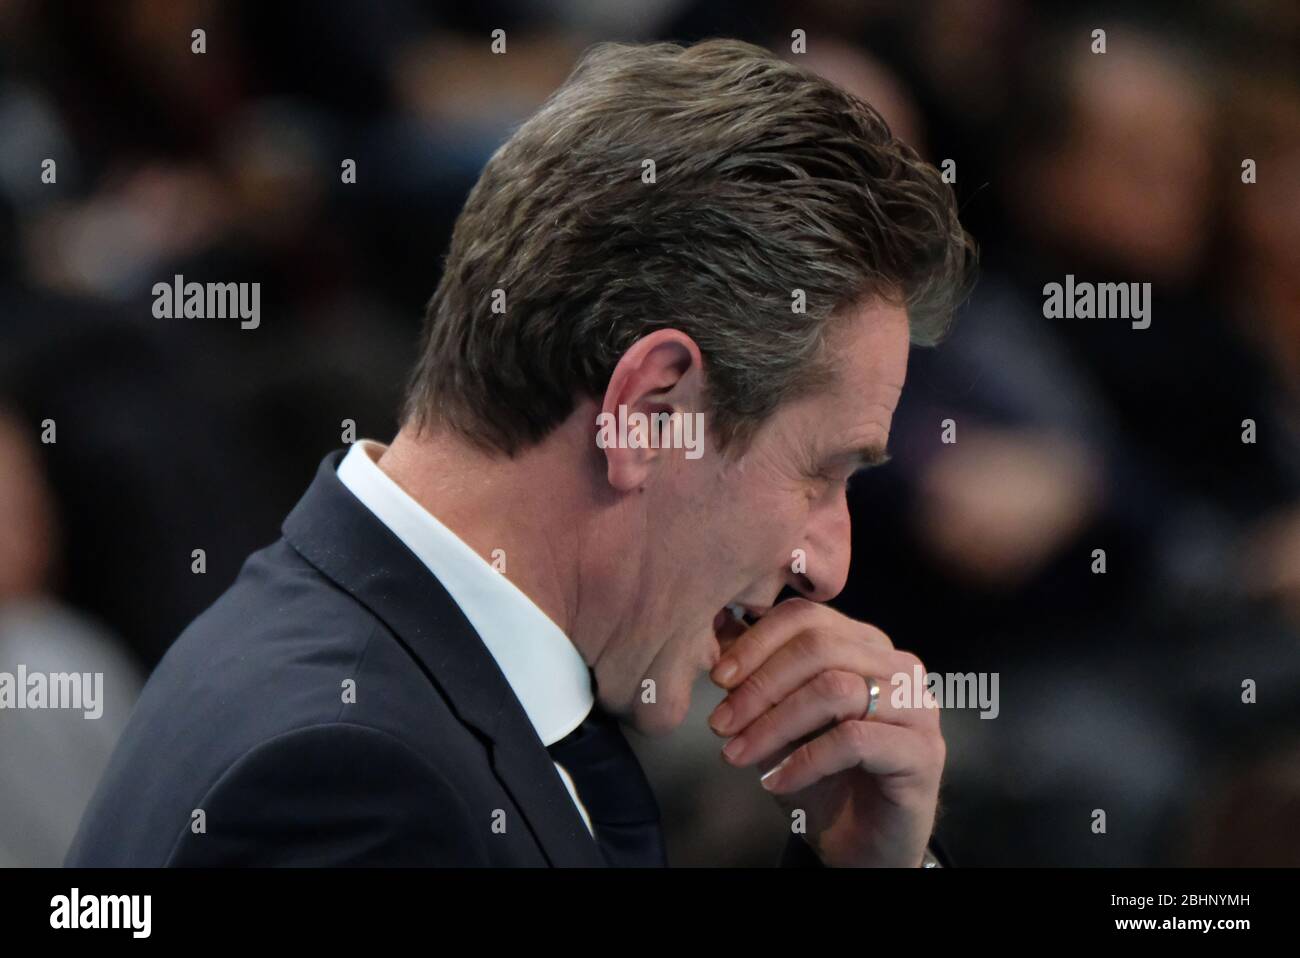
x: 1119, y: 691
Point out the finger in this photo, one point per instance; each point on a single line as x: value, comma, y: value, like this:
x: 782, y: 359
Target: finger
x: 796, y: 663
x: 876, y: 748
x: 830, y: 697
x: 784, y: 621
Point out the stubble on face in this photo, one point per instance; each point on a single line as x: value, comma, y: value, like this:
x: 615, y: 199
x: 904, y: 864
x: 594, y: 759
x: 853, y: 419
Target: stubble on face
x: 722, y: 529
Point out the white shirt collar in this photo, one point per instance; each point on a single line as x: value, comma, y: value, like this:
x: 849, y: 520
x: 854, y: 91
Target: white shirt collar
x: 541, y: 665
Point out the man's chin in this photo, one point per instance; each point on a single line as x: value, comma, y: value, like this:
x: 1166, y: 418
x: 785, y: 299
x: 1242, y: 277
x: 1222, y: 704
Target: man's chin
x: 662, y: 716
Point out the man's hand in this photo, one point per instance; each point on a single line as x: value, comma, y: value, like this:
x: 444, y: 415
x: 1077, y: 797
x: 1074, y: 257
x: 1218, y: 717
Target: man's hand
x: 798, y: 687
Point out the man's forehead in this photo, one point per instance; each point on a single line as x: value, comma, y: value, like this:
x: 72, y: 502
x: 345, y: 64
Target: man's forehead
x: 871, y: 347
x: 870, y: 358
x: 847, y: 419
x: 858, y: 409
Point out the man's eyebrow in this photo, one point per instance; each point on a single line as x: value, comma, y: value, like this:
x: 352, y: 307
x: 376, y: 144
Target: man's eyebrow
x: 867, y: 456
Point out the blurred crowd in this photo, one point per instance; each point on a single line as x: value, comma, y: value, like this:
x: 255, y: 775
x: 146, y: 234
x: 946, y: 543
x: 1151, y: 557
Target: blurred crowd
x: 128, y: 443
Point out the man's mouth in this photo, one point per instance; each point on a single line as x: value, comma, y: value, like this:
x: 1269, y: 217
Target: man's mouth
x: 731, y: 622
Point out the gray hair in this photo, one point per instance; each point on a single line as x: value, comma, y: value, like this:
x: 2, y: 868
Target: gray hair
x: 768, y: 179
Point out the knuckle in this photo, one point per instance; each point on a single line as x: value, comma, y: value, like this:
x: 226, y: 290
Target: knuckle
x: 810, y: 644
x: 839, y: 685
x: 757, y: 688
x: 805, y: 644
x: 759, y: 729
x: 859, y: 734
x: 877, y: 637
x: 801, y: 612
x: 909, y: 661
x: 797, y: 605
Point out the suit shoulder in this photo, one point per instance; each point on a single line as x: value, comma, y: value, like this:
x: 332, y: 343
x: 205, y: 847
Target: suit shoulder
x: 332, y: 794
x: 283, y: 666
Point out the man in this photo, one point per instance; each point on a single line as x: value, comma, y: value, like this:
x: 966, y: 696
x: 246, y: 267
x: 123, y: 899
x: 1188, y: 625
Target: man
x: 431, y: 666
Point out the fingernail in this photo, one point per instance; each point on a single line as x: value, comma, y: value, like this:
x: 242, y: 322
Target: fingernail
x: 733, y: 748
x: 721, y: 717
x: 724, y: 670
x: 769, y: 778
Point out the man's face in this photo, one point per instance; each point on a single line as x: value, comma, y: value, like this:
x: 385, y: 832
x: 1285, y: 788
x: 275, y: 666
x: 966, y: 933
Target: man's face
x: 717, y: 531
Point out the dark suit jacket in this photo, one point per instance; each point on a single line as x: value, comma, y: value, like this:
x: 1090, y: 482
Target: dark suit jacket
x: 242, y: 750
x: 245, y: 750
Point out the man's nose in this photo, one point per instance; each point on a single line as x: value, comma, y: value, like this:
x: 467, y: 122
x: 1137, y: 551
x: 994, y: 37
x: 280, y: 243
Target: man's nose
x: 826, y: 548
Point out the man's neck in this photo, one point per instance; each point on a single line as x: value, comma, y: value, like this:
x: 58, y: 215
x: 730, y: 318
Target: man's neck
x: 511, y: 511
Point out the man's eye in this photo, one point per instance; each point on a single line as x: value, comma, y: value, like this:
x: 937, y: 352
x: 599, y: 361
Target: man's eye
x: 835, y: 478
x: 857, y: 476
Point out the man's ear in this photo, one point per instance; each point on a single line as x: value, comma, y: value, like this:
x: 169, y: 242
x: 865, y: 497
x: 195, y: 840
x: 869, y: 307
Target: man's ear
x: 661, y: 373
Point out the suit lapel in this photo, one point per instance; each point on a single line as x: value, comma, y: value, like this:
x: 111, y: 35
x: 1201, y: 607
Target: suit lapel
x: 333, y: 531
